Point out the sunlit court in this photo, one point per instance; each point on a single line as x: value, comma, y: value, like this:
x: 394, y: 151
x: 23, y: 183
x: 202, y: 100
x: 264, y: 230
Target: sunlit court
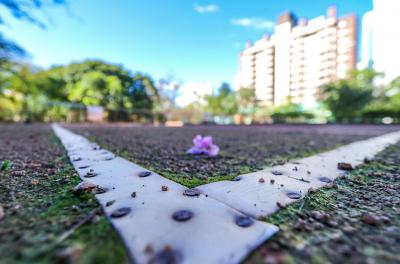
x: 199, y: 131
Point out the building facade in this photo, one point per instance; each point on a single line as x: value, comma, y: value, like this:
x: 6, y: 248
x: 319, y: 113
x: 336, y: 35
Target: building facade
x: 299, y: 58
x: 380, y: 39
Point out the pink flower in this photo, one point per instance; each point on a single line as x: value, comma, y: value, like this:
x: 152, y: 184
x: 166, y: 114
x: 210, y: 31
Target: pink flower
x: 203, y: 146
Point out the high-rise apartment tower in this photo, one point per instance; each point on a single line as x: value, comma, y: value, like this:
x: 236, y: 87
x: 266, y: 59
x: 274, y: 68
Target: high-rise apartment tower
x: 299, y: 58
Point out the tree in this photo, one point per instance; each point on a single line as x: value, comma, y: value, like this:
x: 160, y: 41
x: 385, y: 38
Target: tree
x: 386, y: 104
x: 247, y: 103
x: 9, y: 50
x: 168, y: 91
x: 91, y: 89
x: 143, y: 94
x: 95, y: 82
x: 20, y: 9
x: 289, y: 113
x: 347, y: 98
x: 222, y: 104
x: 37, y: 92
x: 21, y: 93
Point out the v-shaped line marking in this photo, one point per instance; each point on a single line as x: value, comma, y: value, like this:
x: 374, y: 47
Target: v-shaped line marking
x: 217, y: 226
x: 190, y: 229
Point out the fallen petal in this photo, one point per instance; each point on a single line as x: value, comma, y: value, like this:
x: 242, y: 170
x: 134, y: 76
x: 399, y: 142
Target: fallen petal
x: 195, y: 151
x: 207, y: 141
x: 213, y: 151
x: 198, y: 141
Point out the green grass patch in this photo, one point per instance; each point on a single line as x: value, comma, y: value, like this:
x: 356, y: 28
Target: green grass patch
x: 36, y: 232
x: 5, y: 165
x: 343, y: 236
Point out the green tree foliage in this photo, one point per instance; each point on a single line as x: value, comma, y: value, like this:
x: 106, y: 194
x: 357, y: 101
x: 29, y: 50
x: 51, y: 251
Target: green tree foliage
x: 222, y: 104
x: 246, y: 104
x: 346, y: 99
x: 291, y: 113
x: 9, y: 49
x: 17, y: 91
x: 386, y: 104
x: 35, y: 95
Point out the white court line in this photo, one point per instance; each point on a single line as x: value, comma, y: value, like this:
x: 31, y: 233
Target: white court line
x: 211, y: 235
x: 257, y: 199
x: 208, y: 231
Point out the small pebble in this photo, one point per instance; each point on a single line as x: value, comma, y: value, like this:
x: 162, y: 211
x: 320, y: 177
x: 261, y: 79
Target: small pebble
x: 385, y: 219
x: 344, y: 166
x: 90, y: 174
x: 99, y: 190
x: 301, y: 225
x: 370, y: 218
x: 320, y: 216
x: 311, y: 190
x: 148, y: 249
x: 167, y: 256
x: 349, y: 229
x: 83, y: 187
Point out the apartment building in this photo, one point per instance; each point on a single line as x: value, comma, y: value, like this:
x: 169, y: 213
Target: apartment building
x: 257, y: 68
x: 380, y: 39
x: 299, y: 58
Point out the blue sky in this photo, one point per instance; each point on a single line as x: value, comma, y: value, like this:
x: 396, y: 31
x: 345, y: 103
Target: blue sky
x: 197, y: 41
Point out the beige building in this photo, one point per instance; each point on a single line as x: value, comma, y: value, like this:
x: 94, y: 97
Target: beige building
x: 299, y: 58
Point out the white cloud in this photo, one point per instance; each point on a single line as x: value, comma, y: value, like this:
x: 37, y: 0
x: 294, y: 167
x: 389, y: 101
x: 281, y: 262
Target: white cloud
x: 192, y: 91
x: 202, y: 9
x: 254, y: 22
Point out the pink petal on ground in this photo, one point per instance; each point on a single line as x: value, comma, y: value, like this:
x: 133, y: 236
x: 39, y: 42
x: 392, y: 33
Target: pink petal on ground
x: 207, y: 141
x: 194, y: 151
x: 198, y: 141
x: 213, y: 150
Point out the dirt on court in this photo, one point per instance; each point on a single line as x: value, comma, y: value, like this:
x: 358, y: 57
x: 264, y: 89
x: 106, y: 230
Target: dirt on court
x: 243, y: 149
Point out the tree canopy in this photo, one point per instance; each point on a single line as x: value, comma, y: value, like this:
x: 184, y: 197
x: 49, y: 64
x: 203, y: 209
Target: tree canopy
x: 92, y: 82
x: 347, y: 98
